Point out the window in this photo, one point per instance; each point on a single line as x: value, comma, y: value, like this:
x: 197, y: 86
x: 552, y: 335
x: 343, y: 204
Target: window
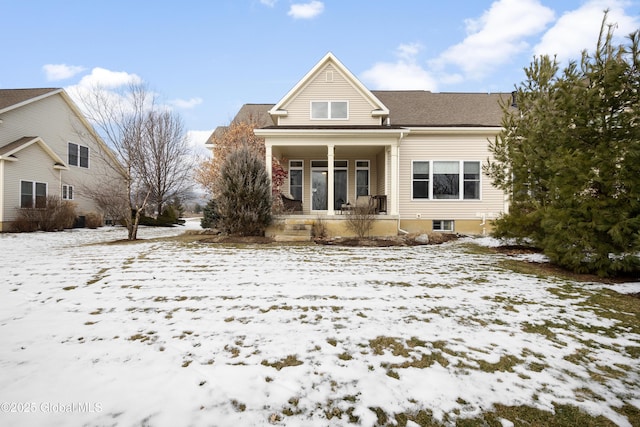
x: 73, y: 154
x: 362, y: 178
x: 84, y: 157
x: 443, y: 225
x: 446, y: 180
x: 296, y: 173
x: 325, y: 110
x: 33, y: 194
x: 420, y: 180
x: 472, y: 180
x: 67, y: 192
x: 78, y: 155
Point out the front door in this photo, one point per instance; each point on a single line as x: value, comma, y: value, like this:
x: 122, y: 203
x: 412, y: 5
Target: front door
x: 319, y: 190
x: 319, y: 185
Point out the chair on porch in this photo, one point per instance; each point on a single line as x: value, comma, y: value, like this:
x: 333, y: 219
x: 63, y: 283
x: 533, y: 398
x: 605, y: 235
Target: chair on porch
x: 290, y: 204
x: 377, y: 204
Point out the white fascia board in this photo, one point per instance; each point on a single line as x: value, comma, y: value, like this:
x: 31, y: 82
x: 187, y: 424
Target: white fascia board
x: 312, y: 133
x: 437, y: 130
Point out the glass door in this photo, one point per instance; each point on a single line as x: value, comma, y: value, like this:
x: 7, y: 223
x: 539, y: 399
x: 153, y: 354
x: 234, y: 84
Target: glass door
x: 319, y: 190
x: 319, y: 184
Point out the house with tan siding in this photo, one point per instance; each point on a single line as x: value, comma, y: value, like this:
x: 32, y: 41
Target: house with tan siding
x: 417, y: 156
x: 47, y: 148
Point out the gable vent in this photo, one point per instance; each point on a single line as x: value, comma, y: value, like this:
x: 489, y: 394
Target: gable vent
x: 329, y: 76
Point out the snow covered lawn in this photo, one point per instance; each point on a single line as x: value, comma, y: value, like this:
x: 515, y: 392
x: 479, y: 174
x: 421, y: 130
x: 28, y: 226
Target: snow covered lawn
x: 168, y: 333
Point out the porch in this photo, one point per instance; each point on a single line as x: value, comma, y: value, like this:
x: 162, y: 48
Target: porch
x: 330, y: 168
x: 303, y: 228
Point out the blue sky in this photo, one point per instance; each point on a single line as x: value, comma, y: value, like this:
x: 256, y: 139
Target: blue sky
x: 207, y: 58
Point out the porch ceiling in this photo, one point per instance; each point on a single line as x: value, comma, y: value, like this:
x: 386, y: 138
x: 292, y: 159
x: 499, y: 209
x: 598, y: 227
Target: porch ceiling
x: 320, y: 151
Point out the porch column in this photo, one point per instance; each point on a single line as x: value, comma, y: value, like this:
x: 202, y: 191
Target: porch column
x: 330, y: 184
x: 393, y: 203
x: 268, y: 154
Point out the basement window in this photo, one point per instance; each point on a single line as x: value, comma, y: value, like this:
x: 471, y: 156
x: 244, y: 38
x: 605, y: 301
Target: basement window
x: 443, y: 225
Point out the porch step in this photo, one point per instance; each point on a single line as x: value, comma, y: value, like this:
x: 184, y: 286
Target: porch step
x: 294, y: 233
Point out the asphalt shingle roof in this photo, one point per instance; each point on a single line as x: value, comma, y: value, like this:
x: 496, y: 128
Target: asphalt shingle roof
x: 414, y: 108
x: 9, y: 97
x: 423, y: 108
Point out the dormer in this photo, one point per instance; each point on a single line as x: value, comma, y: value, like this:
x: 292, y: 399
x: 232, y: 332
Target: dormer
x: 329, y: 95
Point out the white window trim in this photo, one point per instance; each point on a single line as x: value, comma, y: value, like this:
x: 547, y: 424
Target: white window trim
x: 329, y: 102
x: 422, y: 199
x: 460, y: 182
x: 326, y: 169
x: 78, y: 155
x: 361, y: 168
x: 443, y: 221
x: 68, y: 187
x: 33, y: 193
x: 300, y: 168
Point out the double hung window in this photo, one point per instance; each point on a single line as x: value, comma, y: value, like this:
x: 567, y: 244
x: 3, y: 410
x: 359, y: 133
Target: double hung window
x: 296, y: 173
x: 362, y: 178
x: 78, y: 155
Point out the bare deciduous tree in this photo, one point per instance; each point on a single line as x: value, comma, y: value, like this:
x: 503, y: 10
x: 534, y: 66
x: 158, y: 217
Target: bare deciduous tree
x: 149, y: 144
x: 168, y: 163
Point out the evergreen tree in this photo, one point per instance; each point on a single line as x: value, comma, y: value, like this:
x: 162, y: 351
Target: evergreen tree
x: 210, y: 215
x: 569, y: 157
x: 244, y: 201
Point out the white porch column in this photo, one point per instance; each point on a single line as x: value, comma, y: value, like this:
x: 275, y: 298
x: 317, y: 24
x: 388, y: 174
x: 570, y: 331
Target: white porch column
x: 394, y: 187
x: 268, y: 154
x: 330, y: 184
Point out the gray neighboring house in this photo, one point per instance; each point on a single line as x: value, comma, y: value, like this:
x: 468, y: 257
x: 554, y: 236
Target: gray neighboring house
x: 47, y: 147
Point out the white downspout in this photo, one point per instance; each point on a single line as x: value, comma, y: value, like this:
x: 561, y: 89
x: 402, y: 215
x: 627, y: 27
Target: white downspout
x: 396, y: 182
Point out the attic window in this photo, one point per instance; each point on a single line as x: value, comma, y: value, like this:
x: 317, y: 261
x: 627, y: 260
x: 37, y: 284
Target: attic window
x: 329, y: 76
x: 329, y: 110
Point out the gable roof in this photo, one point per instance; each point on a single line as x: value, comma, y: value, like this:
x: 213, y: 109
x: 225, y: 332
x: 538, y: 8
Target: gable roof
x: 426, y: 109
x: 256, y: 113
x: 11, y: 99
x: 7, y: 152
x: 379, y: 108
x: 14, y: 98
x: 415, y: 108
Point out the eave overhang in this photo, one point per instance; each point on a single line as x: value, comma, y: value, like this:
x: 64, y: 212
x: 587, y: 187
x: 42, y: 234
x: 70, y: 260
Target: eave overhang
x: 455, y: 130
x: 380, y: 134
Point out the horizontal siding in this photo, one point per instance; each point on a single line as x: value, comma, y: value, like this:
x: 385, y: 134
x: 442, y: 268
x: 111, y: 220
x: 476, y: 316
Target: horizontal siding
x: 319, y: 89
x: 446, y: 148
x: 52, y: 120
x: 29, y: 167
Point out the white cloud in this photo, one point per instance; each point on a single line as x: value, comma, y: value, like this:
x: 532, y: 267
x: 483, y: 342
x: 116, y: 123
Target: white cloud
x: 108, y: 79
x: 197, y: 139
x: 269, y: 3
x: 112, y: 84
x: 578, y: 30
x: 56, y: 72
x: 306, y: 10
x: 496, y: 36
x: 404, y: 74
x: 186, y: 104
